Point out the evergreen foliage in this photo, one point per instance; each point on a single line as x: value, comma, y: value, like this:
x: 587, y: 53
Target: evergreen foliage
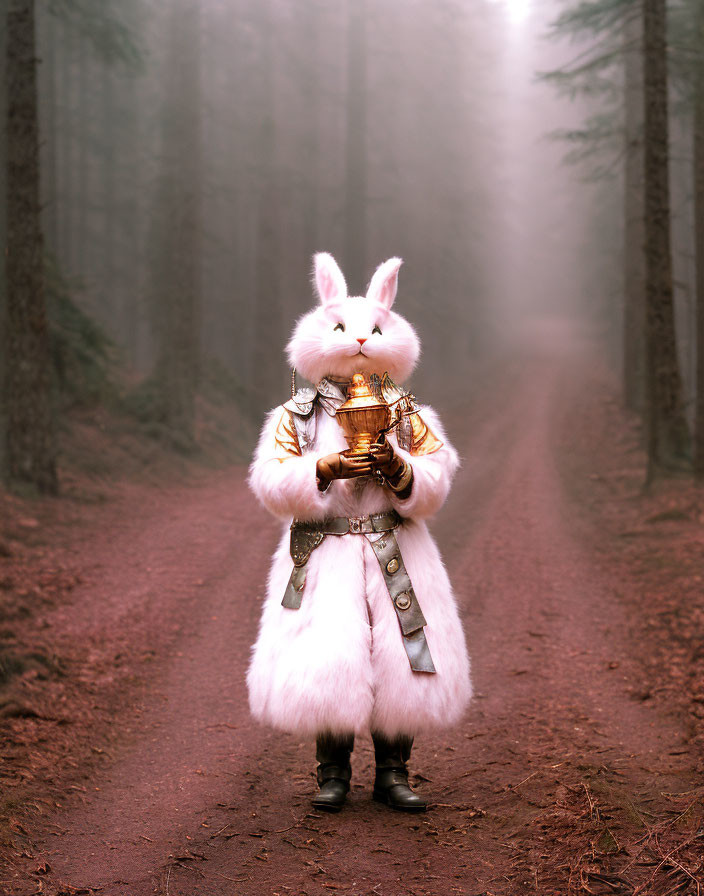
x: 597, y: 75
x: 217, y: 386
x: 82, y: 354
x: 102, y: 26
x: 598, y: 145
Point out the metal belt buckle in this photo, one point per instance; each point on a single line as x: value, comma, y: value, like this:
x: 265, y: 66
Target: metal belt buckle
x: 356, y: 524
x: 377, y: 522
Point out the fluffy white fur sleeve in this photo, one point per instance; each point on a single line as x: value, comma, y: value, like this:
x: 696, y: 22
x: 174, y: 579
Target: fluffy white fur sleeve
x: 287, y: 488
x: 432, y: 474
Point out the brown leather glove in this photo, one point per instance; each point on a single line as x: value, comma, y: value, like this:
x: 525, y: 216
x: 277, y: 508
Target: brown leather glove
x: 398, y: 474
x: 386, y: 460
x: 340, y: 466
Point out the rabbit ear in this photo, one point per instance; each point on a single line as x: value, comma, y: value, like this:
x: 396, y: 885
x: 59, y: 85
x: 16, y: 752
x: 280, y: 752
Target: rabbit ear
x: 329, y: 281
x: 384, y: 282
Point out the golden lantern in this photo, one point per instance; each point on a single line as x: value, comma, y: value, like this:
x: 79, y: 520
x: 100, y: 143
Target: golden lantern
x: 363, y: 417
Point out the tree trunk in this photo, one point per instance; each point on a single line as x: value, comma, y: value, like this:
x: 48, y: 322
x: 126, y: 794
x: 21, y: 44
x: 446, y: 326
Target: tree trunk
x: 111, y: 277
x: 134, y: 235
x: 633, y: 224
x: 177, y: 228
x: 66, y: 170
x: 356, y: 149
x: 267, y: 375
x: 698, y: 180
x: 667, y: 433
x: 48, y: 85
x: 83, y: 120
x: 313, y: 77
x: 3, y: 221
x: 31, y: 444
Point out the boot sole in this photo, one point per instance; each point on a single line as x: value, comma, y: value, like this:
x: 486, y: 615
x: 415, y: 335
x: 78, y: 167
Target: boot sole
x: 327, y: 807
x: 382, y: 797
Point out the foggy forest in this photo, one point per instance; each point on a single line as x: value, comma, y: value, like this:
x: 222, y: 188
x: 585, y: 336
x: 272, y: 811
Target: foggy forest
x: 170, y: 174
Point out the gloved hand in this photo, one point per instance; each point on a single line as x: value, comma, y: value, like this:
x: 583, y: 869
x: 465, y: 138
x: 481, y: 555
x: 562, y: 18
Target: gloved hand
x: 340, y: 466
x: 398, y: 473
x: 385, y: 459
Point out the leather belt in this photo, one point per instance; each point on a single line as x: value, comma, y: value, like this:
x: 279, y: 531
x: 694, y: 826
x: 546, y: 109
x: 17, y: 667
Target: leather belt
x: 305, y: 538
x: 353, y: 525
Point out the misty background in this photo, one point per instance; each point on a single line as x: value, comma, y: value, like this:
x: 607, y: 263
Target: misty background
x: 194, y: 156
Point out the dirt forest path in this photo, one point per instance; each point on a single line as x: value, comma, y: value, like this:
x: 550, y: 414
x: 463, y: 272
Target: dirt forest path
x: 197, y: 800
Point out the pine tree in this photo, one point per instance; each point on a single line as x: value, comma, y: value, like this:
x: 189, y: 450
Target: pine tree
x: 667, y: 436
x: 176, y: 238
x: 356, y: 145
x: 31, y: 439
x: 267, y: 330
x: 633, y: 335
x: 698, y: 180
x: 611, y: 143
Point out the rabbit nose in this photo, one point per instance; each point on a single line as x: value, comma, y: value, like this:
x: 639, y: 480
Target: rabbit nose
x: 361, y: 341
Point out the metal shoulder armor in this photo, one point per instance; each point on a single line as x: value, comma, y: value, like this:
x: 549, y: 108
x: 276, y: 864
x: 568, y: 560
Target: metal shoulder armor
x: 301, y: 407
x: 412, y: 432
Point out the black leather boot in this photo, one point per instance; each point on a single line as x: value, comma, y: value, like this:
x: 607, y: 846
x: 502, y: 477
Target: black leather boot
x: 391, y: 781
x: 334, y: 770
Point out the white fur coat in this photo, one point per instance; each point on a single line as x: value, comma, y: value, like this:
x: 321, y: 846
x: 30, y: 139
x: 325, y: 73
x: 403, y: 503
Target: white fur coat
x: 338, y: 663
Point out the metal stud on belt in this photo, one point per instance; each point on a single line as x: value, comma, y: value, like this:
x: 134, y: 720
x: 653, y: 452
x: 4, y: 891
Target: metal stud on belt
x: 403, y: 600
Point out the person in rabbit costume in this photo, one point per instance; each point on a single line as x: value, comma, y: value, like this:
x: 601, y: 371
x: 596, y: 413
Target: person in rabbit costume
x: 359, y: 629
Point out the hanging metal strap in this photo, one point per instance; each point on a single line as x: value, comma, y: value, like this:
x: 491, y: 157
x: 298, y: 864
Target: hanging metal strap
x: 408, y: 611
x: 303, y: 543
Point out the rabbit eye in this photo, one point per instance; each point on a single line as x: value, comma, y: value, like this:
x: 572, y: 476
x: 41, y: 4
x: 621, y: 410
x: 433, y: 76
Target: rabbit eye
x: 377, y: 329
x: 339, y: 326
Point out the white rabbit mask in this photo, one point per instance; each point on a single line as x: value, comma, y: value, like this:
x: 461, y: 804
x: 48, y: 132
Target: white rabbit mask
x: 353, y: 334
